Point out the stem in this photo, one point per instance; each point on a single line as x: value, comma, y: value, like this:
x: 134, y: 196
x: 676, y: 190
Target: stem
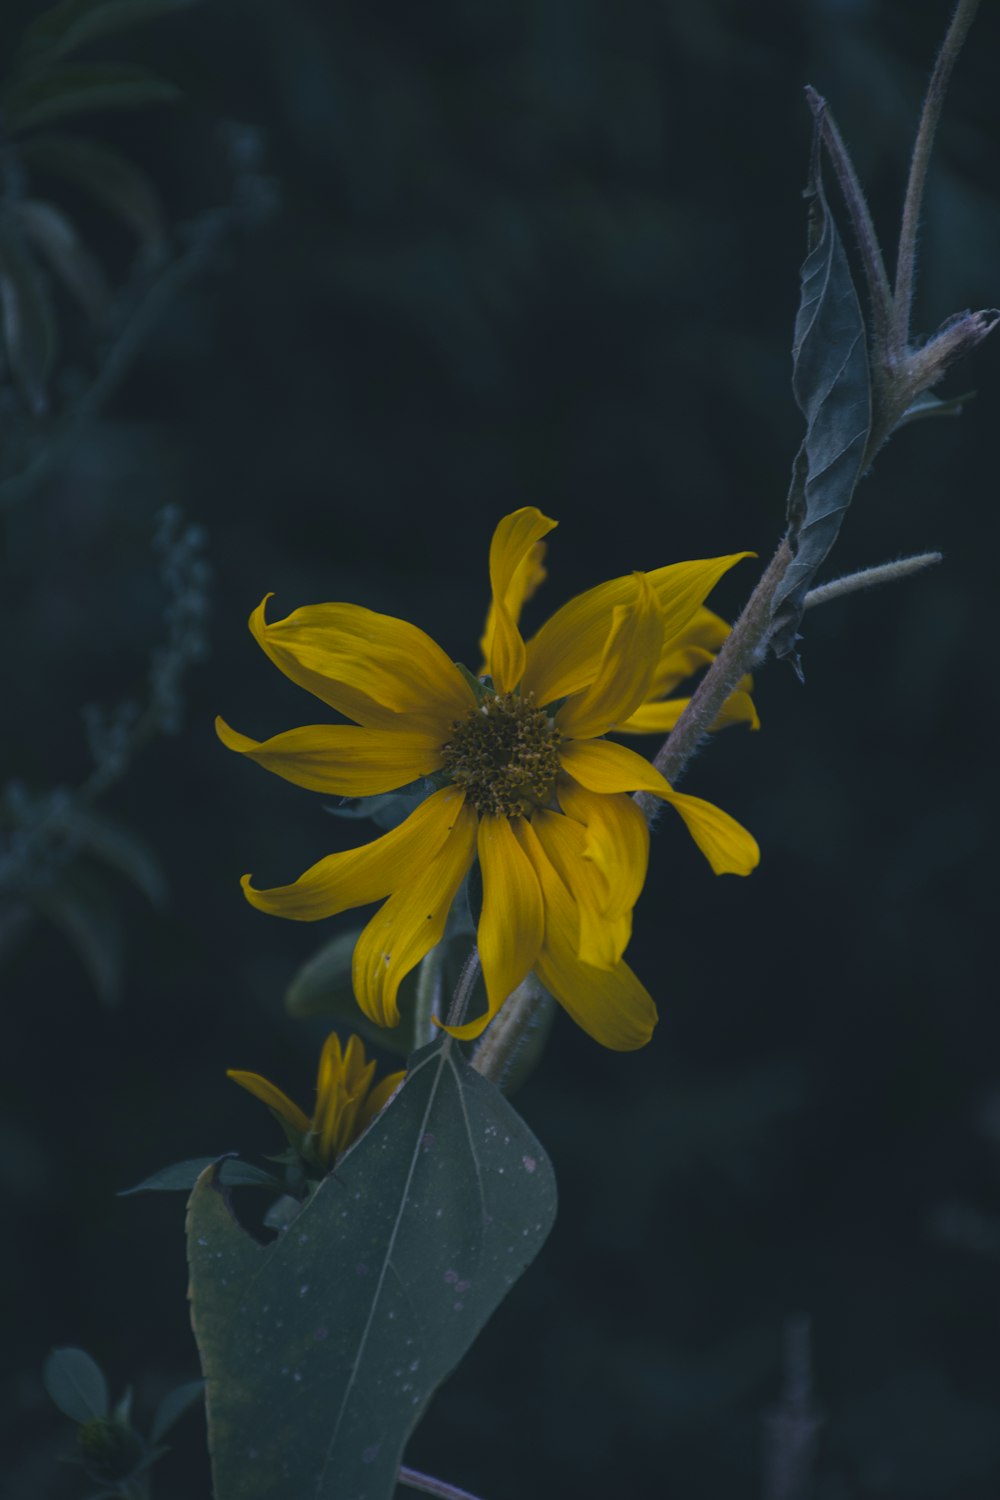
x: 429, y: 988
x: 870, y: 578
x: 879, y: 290
x: 508, y: 1030
x: 414, y: 1480
x: 464, y: 988
x: 965, y: 11
x: 740, y: 651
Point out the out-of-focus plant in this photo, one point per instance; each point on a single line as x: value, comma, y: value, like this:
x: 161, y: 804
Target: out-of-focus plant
x: 57, y: 844
x: 110, y: 1449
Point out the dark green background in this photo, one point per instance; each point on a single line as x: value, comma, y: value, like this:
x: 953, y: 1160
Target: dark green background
x: 545, y: 252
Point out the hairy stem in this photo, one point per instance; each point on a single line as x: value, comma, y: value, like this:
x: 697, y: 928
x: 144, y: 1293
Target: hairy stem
x: 506, y: 1033
x: 463, y: 989
x: 869, y: 578
x: 741, y: 650
x: 962, y: 19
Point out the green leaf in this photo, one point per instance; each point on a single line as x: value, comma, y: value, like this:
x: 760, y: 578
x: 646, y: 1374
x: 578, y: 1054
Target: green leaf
x: 80, y: 906
x: 66, y: 27
x: 103, y: 173
x: 81, y: 88
x: 385, y: 809
x: 173, y: 1406
x: 123, y: 1408
x: 76, y: 1384
x: 29, y: 325
x: 831, y: 382
x: 322, y: 1349
x: 123, y: 850
x: 929, y: 405
x: 54, y: 236
x: 181, y: 1176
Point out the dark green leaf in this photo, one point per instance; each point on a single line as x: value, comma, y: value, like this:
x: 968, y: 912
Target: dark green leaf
x: 123, y: 850
x: 81, y: 88
x: 105, y: 175
x: 174, y: 1406
x: 341, y: 1330
x: 76, y: 1384
x: 123, y: 1408
x: 181, y: 1176
x: 66, y: 27
x: 385, y: 809
x: 29, y: 325
x: 831, y: 382
x: 79, y: 905
x: 55, y: 238
x: 929, y: 405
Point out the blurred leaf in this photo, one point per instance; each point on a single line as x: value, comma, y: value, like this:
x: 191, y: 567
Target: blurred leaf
x: 29, y: 324
x: 123, y: 1408
x: 105, y: 175
x: 364, y: 1305
x: 76, y: 1384
x: 66, y: 27
x: 78, y: 904
x: 174, y: 1406
x: 123, y: 850
x: 55, y: 236
x: 81, y: 88
x: 831, y: 383
x: 181, y: 1176
x: 385, y: 809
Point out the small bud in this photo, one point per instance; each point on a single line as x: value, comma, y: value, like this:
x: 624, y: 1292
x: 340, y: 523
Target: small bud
x: 109, y: 1450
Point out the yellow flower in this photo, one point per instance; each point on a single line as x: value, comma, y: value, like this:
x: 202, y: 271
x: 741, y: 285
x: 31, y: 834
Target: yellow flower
x: 346, y: 1102
x: 525, y: 780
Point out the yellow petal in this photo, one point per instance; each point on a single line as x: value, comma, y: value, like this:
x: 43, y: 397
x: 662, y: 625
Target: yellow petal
x: 512, y: 544
x: 272, y: 1097
x: 378, y: 1098
x: 610, y: 1004
x: 359, y: 876
x: 366, y: 665
x: 617, y: 840
x: 726, y: 844
x: 512, y: 920
x: 341, y: 758
x: 660, y: 718
x: 528, y: 576
x: 565, y: 655
x: 627, y: 664
x: 601, y: 940
x: 601, y: 766
x: 411, y: 922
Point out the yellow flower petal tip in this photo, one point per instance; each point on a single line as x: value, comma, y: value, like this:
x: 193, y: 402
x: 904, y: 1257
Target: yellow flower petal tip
x: 526, y: 782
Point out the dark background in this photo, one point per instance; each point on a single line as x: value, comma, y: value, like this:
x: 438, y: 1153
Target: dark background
x: 546, y: 252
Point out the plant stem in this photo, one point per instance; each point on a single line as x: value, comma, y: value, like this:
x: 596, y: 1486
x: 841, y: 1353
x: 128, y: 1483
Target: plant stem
x: 507, y: 1031
x: 962, y: 19
x: 740, y: 651
x: 464, y: 988
x: 430, y: 1486
x: 870, y: 578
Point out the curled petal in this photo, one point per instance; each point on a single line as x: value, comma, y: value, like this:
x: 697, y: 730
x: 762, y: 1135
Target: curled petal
x: 610, y: 1004
x: 357, y: 877
x: 726, y: 844
x: 565, y: 655
x: 512, y: 920
x: 411, y: 922
x: 602, y: 938
x: 341, y: 758
x: 513, y: 541
x: 616, y: 840
x: 626, y: 668
x: 528, y: 576
x: 368, y: 666
x: 273, y: 1097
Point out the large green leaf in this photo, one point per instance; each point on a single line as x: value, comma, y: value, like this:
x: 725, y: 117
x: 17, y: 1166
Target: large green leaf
x: 830, y: 379
x: 322, y: 1349
x: 76, y: 1384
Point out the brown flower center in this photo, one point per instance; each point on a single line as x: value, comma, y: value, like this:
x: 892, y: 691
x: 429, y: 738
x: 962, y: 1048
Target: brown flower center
x: 506, y: 755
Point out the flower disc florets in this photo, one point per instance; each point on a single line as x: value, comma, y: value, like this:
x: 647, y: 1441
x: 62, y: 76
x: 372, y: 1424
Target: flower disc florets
x: 505, y: 753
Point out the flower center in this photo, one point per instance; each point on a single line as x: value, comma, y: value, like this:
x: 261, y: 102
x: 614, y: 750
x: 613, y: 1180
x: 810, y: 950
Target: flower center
x: 506, y: 755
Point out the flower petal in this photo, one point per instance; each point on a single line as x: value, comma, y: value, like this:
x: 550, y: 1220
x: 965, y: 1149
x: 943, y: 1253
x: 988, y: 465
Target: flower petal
x: 565, y: 655
x: 628, y: 662
x: 617, y: 840
x: 512, y: 544
x: 379, y: 1098
x: 411, y: 922
x: 368, y: 666
x: 528, y: 576
x: 601, y: 940
x: 601, y: 766
x: 660, y: 718
x: 726, y: 844
x: 342, y: 758
x: 359, y: 876
x: 610, y: 1004
x: 273, y: 1097
x: 512, y: 922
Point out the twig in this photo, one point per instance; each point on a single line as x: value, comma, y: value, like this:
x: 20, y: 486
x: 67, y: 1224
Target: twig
x: 869, y: 578
x: 430, y: 1486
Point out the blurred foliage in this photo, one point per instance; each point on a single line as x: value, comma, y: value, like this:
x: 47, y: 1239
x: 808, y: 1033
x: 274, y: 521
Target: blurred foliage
x: 541, y: 252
